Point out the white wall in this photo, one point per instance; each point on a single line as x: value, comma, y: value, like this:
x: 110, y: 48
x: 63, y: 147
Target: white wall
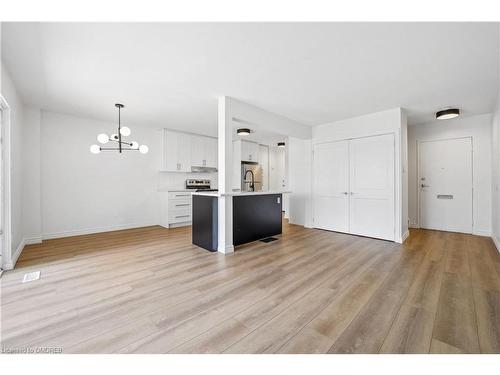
x: 495, y: 148
x: 495, y: 178
x: 10, y: 94
x: 32, y: 215
x: 372, y: 124
x: 390, y: 121
x: 405, y: 222
x: 257, y: 118
x: 299, y: 181
x: 83, y: 192
x: 477, y: 127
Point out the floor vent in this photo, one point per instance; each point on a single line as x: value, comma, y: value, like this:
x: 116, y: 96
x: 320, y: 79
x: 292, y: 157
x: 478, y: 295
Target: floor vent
x: 269, y: 239
x: 32, y: 276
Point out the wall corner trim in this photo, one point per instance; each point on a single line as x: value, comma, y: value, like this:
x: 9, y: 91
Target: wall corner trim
x: 496, y: 241
x: 405, y: 236
x: 25, y: 241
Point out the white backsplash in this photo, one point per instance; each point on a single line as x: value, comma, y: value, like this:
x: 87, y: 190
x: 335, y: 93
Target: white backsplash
x: 176, y: 180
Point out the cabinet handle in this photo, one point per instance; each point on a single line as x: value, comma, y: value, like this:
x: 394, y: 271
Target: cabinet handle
x: 178, y: 217
x: 182, y: 195
x: 204, y: 162
x: 249, y: 157
x: 178, y: 166
x: 345, y: 193
x: 181, y: 205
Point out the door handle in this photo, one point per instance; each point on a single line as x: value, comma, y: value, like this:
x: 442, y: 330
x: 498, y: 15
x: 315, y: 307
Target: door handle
x: 424, y: 186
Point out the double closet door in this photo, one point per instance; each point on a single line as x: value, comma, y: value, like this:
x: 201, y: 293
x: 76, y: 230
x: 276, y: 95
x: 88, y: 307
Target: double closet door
x: 353, y: 186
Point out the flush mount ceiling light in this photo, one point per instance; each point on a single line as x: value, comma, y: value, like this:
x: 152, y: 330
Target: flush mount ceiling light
x: 281, y: 144
x: 446, y: 114
x: 243, y: 131
x: 123, y: 131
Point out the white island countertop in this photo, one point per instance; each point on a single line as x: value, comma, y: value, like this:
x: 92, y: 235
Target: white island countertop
x: 240, y: 193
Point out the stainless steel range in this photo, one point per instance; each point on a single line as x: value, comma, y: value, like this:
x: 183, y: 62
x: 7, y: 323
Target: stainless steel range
x: 199, y: 185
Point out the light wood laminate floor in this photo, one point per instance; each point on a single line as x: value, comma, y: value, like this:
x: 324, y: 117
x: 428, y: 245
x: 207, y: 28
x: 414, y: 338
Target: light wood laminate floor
x: 150, y: 290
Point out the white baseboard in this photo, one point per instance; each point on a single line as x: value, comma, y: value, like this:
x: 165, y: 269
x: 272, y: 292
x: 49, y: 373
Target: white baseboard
x: 414, y: 225
x: 17, y: 253
x: 15, y: 256
x: 484, y: 233
x: 32, y: 240
x: 80, y: 232
x: 178, y: 225
x: 496, y: 241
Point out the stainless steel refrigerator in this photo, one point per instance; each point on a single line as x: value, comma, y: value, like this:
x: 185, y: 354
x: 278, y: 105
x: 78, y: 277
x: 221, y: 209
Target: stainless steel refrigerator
x: 251, y: 170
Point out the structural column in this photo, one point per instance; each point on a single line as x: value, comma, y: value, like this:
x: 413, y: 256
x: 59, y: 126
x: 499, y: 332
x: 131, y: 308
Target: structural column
x: 225, y: 169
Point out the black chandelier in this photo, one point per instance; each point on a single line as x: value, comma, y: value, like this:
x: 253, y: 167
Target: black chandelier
x: 122, y: 145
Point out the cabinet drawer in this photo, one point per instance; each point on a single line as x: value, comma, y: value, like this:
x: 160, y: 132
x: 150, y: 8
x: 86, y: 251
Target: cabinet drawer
x: 180, y: 215
x: 176, y: 204
x: 179, y: 195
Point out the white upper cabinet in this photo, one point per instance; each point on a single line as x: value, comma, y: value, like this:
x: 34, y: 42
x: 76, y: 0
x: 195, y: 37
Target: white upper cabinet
x: 176, y: 152
x: 203, y: 151
x: 198, y: 151
x: 249, y: 151
x: 211, y: 152
x: 183, y: 151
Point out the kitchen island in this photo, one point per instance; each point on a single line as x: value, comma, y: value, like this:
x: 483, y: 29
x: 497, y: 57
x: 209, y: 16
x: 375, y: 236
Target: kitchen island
x: 256, y: 215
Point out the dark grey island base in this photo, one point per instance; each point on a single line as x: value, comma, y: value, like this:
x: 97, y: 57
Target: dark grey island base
x: 205, y: 221
x: 254, y: 217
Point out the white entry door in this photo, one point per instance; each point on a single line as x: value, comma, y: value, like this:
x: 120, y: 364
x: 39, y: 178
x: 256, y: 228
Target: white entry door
x: 445, y: 184
x: 372, y: 186
x: 331, y: 186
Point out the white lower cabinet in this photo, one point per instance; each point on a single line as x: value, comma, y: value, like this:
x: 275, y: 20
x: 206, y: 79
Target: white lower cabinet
x: 353, y: 186
x: 176, y: 208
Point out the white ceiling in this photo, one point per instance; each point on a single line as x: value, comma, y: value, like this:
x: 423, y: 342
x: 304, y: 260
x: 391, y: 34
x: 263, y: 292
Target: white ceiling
x: 170, y: 74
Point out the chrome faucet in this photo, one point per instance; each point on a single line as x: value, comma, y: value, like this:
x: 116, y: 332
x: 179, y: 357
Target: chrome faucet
x: 252, y: 182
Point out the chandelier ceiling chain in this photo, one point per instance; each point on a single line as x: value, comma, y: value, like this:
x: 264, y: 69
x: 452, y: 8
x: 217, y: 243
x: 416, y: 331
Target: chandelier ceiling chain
x: 122, y: 145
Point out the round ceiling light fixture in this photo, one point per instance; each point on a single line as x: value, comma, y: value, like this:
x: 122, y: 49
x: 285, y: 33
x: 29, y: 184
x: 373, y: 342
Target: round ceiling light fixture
x: 281, y: 144
x: 243, y: 131
x: 448, y: 113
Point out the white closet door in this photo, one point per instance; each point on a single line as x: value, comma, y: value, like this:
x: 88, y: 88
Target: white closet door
x: 331, y: 186
x: 372, y: 186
